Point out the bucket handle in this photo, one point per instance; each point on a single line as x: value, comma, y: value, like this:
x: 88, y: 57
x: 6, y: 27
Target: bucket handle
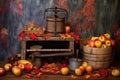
x: 56, y: 10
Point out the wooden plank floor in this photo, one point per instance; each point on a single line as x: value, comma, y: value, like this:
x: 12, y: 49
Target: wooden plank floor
x: 54, y: 77
x: 10, y: 76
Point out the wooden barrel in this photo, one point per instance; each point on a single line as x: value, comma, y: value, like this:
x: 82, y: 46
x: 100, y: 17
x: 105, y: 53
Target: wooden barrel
x: 55, y: 25
x: 97, y: 57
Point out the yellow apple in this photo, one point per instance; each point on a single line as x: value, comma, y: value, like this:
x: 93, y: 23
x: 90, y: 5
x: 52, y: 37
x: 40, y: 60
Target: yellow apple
x: 108, y: 43
x: 102, y: 38
x: 107, y: 35
x: 98, y: 43
x: 89, y: 68
x: 115, y: 72
x: 7, y: 67
x: 104, y: 46
x: 94, y: 38
x: 64, y: 70
x: 16, y: 71
x: 84, y: 64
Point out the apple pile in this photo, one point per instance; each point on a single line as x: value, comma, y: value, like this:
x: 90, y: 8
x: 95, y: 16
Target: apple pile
x: 84, y: 68
x: 102, y: 41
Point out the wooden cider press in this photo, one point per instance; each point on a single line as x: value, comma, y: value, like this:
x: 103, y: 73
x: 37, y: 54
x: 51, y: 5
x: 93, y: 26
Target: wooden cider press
x: 55, y: 20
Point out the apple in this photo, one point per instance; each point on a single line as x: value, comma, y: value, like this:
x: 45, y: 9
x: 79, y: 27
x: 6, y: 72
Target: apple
x: 94, y: 38
x: 21, y: 66
x: 8, y: 67
x: 115, y: 72
x: 107, y: 35
x: 2, y: 71
x: 16, y: 71
x: 67, y: 29
x: 78, y: 71
x: 113, y: 43
x: 108, y: 43
x: 102, y: 38
x: 28, y: 67
x: 91, y: 43
x: 84, y: 64
x: 98, y: 43
x: 64, y: 70
x: 104, y: 46
x: 89, y: 68
x: 82, y: 68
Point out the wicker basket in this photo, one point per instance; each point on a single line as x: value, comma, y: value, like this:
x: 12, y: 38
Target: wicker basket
x: 98, y: 57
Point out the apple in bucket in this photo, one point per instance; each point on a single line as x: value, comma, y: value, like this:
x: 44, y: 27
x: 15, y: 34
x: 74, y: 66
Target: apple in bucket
x: 102, y: 38
x: 108, y: 43
x: 98, y: 43
x: 107, y: 35
x: 91, y: 43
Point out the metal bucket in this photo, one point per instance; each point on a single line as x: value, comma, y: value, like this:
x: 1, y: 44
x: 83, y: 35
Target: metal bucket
x: 74, y: 63
x: 55, y: 25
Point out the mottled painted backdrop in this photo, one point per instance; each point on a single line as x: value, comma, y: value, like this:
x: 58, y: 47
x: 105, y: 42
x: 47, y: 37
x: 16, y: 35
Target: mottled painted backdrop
x: 86, y: 18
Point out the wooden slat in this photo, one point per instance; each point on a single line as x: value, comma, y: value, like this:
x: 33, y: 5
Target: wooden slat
x: 47, y: 50
x: 52, y: 54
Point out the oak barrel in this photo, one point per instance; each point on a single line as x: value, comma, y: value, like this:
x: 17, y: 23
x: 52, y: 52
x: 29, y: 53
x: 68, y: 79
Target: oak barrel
x: 97, y: 57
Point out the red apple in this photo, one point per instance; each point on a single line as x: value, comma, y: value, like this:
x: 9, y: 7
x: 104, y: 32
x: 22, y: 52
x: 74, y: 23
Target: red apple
x: 21, y: 66
x: 82, y: 68
x: 16, y: 71
x: 102, y: 38
x: 108, y: 43
x: 107, y: 35
x: 28, y: 67
x: 2, y: 71
x: 8, y: 67
x: 115, y: 72
x: 78, y: 71
x: 91, y: 43
x: 113, y: 43
x: 98, y: 43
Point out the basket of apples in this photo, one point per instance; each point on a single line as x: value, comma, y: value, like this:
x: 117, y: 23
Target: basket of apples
x: 98, y: 51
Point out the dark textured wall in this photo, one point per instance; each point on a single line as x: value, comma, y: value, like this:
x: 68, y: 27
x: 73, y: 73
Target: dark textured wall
x: 86, y: 17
